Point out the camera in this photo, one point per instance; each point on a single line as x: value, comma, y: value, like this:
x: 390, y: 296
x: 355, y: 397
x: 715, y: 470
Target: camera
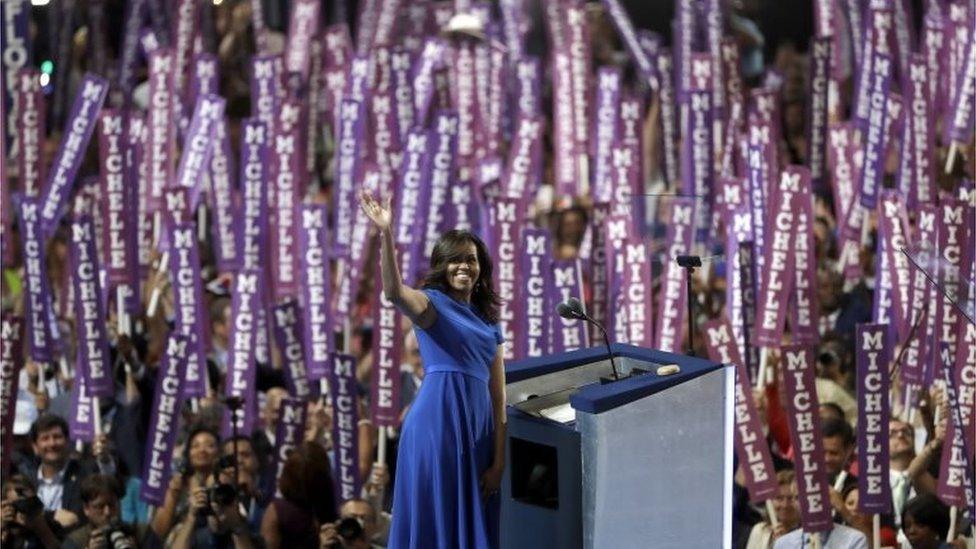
x: 348, y: 529
x: 117, y: 536
x: 221, y: 493
x: 27, y: 505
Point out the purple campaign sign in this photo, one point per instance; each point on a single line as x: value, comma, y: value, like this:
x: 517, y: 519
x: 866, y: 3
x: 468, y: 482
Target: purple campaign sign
x: 90, y: 320
x: 402, y: 91
x: 618, y: 230
x: 673, y: 300
x: 606, y: 121
x: 198, y: 146
x: 505, y: 236
x: 443, y: 166
x: 892, y: 232
x: 227, y: 239
x: 537, y: 291
x: 188, y: 302
x: 164, y: 422
x: 565, y: 166
x: 955, y: 474
x: 412, y: 200
x: 78, y: 131
x: 779, y: 272
x: 37, y: 292
x: 31, y: 123
x: 289, y: 337
x: 953, y: 218
x: 817, y: 109
x: 11, y: 361
x: 204, y: 78
x: 316, y: 291
x: 81, y: 422
x: 345, y: 428
x: 636, y: 292
x: 669, y: 117
x: 920, y: 133
x: 618, y: 15
x: 254, y: 160
x: 289, y: 168
x: 873, y: 413
x: 118, y: 191
x: 802, y: 407
x: 755, y: 461
x: 264, y: 88
x: 350, y: 125
x: 567, y: 280
x: 161, y: 136
x: 875, y: 142
x: 698, y: 146
x: 241, y: 366
x: 804, y: 304
x: 387, y: 358
x: 303, y: 25
x: 290, y: 431
x: 961, y: 128
x: 577, y: 36
x: 523, y: 158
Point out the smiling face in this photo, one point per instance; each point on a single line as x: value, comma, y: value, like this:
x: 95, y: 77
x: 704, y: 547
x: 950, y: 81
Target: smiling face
x: 52, y: 446
x: 463, y: 271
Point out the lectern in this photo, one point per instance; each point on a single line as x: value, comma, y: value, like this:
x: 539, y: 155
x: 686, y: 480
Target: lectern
x: 643, y: 461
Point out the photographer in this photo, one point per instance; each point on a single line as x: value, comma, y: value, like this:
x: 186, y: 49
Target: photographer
x: 216, y: 517
x: 199, y: 458
x: 306, y: 503
x: 100, y: 497
x: 23, y: 522
x: 356, y: 527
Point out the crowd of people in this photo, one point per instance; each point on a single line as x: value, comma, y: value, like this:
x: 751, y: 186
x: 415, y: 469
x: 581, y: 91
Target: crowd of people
x: 58, y: 490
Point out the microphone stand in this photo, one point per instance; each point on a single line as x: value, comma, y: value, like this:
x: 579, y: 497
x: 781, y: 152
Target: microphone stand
x: 689, y: 262
x: 606, y: 341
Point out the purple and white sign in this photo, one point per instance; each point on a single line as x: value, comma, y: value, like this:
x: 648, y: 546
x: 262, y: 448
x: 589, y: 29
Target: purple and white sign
x: 804, y: 304
x: 802, y: 409
x: 920, y: 132
x: 188, y: 303
x: 873, y: 414
x: 669, y: 118
x: 345, y: 428
x: 636, y: 294
x: 289, y: 337
x: 443, y: 150
x: 350, y: 125
x: 755, y: 461
x: 254, y: 160
x: 673, y: 299
x: 412, y: 199
x: 505, y: 235
x: 164, y: 422
x: 90, y: 320
x: 241, y: 366
x: 289, y: 170
x: 37, y: 292
x: 606, y: 121
x: 31, y: 114
x: 875, y: 142
x: 78, y: 131
x: 304, y: 24
x: 568, y: 335
x: 11, y: 361
x: 387, y: 357
x: 161, y: 137
x: 119, y: 203
x: 227, y: 239
x: 779, y: 273
x: 290, y: 431
x: 537, y: 291
x: 817, y: 109
x: 316, y: 290
x: 198, y: 145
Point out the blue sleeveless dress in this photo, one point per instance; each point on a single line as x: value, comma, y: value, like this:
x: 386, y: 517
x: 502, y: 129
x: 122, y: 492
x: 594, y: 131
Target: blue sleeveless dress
x: 446, y: 442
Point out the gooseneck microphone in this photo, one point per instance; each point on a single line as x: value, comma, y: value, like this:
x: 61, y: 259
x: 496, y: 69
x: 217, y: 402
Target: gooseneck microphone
x: 572, y: 309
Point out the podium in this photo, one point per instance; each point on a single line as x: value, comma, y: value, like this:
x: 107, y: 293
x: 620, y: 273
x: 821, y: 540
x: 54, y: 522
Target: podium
x: 644, y: 461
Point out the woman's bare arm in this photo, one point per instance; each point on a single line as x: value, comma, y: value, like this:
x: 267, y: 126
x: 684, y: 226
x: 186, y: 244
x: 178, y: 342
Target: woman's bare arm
x: 413, y: 303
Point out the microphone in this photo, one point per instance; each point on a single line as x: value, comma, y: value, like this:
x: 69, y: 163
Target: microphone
x: 572, y: 309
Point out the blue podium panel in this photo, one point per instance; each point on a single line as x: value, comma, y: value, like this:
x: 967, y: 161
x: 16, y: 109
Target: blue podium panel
x: 644, y: 461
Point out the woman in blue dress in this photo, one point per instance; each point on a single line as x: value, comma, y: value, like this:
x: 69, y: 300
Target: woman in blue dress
x: 452, y: 443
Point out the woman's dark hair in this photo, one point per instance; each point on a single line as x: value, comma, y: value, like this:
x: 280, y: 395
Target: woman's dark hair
x: 306, y: 481
x: 193, y: 434
x: 450, y: 247
x: 927, y: 510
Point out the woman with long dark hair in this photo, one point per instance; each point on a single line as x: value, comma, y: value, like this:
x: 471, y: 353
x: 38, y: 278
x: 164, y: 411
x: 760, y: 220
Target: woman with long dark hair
x: 452, y: 443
